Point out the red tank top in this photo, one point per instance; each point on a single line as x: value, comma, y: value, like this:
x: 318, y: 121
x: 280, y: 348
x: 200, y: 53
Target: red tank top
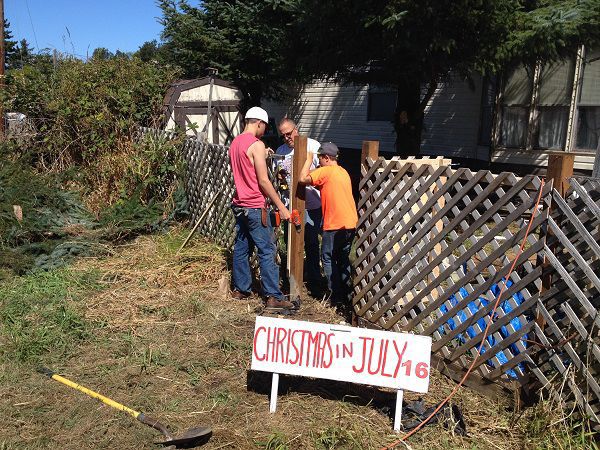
x: 247, y: 192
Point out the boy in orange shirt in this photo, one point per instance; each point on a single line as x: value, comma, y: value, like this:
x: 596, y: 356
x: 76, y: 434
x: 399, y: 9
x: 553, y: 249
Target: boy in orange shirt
x: 339, y: 218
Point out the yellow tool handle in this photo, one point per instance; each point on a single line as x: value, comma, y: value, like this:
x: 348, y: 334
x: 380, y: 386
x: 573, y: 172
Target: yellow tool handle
x: 102, y: 398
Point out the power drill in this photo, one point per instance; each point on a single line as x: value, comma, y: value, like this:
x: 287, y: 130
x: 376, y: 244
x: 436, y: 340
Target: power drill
x: 295, y: 219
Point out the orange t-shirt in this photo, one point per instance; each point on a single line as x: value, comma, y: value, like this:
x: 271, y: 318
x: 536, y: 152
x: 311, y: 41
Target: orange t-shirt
x: 339, y: 210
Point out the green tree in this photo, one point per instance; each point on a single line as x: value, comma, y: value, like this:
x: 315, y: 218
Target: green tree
x: 102, y: 53
x: 414, y: 45
x: 149, y: 51
x: 245, y: 40
x: 11, y: 47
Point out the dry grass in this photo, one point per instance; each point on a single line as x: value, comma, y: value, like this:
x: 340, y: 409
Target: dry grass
x: 168, y: 342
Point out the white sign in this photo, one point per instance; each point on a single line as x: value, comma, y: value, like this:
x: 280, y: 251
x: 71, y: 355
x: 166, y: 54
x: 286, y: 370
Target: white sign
x: 336, y: 352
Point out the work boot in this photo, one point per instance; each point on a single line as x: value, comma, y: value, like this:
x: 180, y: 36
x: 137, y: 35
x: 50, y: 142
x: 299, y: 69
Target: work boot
x: 277, y: 304
x: 238, y: 295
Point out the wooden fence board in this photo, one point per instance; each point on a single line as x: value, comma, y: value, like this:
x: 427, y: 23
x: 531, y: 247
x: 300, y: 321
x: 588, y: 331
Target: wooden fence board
x: 427, y: 235
x: 570, y: 342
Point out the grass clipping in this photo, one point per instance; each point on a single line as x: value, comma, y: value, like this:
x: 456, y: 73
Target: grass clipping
x: 158, y: 334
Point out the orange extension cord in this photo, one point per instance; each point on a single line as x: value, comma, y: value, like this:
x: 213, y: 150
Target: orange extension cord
x: 485, y: 333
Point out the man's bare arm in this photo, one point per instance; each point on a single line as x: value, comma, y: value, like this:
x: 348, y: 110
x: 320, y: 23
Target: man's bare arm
x: 259, y: 153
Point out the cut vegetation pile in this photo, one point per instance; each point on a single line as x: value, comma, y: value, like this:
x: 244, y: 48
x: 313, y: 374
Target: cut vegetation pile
x: 43, y: 226
x: 154, y: 330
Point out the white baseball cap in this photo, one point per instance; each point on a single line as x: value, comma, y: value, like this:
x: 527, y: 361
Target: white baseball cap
x: 257, y: 113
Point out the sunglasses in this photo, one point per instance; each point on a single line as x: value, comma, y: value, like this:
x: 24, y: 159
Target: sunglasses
x: 289, y: 133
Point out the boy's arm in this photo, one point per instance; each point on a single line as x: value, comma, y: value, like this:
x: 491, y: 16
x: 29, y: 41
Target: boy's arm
x: 305, y: 177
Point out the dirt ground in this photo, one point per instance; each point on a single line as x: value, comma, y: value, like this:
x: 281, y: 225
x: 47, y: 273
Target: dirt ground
x: 164, y: 339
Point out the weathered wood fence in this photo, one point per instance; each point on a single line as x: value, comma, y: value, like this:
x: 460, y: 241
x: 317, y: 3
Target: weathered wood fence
x: 434, y: 247
x: 568, y: 358
x: 208, y: 176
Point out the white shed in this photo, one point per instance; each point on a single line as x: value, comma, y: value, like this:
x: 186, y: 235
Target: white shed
x: 187, y: 103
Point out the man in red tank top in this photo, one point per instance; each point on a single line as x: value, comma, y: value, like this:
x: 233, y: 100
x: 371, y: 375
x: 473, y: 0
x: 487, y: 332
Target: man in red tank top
x: 248, y: 158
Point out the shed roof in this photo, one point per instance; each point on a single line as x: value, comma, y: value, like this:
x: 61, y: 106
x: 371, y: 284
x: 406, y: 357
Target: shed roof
x: 179, y: 86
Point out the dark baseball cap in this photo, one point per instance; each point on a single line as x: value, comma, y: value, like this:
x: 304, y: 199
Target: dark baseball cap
x: 329, y: 149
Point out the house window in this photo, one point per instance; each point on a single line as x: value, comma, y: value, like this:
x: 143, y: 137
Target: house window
x: 515, y: 106
x: 588, y: 117
x: 552, y: 109
x: 381, y: 104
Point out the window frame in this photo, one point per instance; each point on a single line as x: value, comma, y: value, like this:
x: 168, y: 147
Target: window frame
x: 533, y: 118
x: 374, y: 89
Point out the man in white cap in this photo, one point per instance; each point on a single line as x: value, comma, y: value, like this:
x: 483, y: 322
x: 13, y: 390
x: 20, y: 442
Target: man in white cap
x: 248, y: 158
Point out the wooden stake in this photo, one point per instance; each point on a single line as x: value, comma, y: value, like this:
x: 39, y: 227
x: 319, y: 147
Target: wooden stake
x: 274, y: 389
x: 187, y: 239
x: 560, y: 169
x: 370, y: 149
x: 296, y: 240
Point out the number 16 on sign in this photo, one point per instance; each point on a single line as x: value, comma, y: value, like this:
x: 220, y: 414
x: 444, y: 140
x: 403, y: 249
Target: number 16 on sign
x: 378, y: 358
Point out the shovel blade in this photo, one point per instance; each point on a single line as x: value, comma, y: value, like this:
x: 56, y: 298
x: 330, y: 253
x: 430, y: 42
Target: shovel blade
x: 191, y: 438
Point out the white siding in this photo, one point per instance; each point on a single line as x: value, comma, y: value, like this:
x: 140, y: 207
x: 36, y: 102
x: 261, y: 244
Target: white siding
x: 338, y: 113
x: 452, y: 120
x: 332, y: 112
x: 538, y: 158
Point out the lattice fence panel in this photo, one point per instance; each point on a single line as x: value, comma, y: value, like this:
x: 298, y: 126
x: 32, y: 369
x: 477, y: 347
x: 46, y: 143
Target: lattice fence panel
x: 433, y: 247
x: 208, y: 176
x: 569, y: 336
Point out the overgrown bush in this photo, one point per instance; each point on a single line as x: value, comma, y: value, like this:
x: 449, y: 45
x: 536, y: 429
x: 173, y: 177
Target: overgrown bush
x: 86, y: 115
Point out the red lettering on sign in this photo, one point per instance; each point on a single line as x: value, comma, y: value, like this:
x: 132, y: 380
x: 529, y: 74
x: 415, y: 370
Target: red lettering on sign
x: 370, y: 370
x: 383, y: 374
x: 281, y: 335
x: 422, y: 370
x: 347, y: 350
x: 364, y: 355
x: 258, y: 330
x: 327, y: 364
x: 400, y: 355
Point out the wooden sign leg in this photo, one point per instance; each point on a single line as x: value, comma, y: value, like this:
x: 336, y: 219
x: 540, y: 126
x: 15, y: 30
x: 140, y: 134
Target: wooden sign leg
x: 398, y: 413
x: 274, y: 389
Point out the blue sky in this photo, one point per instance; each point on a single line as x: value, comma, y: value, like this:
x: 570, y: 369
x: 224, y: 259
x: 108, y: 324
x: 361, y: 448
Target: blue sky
x: 115, y: 24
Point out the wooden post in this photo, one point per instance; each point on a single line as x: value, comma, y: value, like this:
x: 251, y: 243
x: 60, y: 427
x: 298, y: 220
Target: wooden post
x: 370, y: 149
x: 596, y: 171
x: 296, y: 241
x: 560, y: 169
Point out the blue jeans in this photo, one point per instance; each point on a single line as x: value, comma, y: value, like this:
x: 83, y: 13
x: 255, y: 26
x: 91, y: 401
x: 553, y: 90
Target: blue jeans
x: 335, y: 248
x: 251, y: 233
x: 313, y: 228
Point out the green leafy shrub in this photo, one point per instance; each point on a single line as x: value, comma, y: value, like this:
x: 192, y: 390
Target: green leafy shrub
x: 87, y: 115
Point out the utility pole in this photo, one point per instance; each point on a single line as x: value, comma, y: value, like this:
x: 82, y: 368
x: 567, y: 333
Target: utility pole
x: 2, y: 63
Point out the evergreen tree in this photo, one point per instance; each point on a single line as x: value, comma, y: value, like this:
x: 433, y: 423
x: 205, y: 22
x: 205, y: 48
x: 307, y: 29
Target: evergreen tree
x: 149, y: 51
x: 11, y: 48
x: 245, y: 40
